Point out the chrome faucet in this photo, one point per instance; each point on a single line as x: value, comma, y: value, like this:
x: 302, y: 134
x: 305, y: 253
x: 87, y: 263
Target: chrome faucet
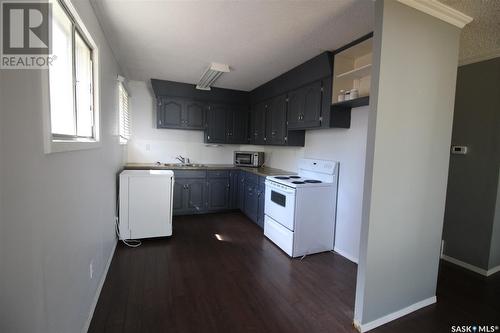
x: 183, y: 160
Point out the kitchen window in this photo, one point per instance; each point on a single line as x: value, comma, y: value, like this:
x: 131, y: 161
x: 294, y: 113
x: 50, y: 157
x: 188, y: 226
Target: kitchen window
x: 124, y: 105
x: 72, y: 99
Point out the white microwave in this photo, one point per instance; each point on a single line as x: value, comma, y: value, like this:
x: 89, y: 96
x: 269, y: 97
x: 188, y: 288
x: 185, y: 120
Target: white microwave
x: 252, y: 159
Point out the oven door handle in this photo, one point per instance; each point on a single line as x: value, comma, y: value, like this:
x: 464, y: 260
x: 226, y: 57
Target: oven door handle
x: 280, y: 189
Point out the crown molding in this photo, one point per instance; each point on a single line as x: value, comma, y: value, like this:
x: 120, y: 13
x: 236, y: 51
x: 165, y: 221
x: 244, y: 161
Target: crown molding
x: 440, y: 11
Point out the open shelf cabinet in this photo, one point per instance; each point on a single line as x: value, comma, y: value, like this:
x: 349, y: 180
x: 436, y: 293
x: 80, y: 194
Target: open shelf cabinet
x: 352, y: 66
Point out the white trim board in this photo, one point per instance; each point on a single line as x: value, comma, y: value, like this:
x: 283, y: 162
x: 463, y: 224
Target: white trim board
x: 98, y: 290
x: 470, y: 267
x: 345, y: 255
x: 393, y: 316
x: 439, y: 11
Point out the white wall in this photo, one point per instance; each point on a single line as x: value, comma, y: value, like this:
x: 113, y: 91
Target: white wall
x: 57, y: 210
x: 149, y: 144
x: 348, y: 146
x: 413, y: 88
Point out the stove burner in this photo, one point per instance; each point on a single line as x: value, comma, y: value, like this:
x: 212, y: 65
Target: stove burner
x: 312, y: 181
x: 282, y: 177
x: 295, y: 177
x: 298, y: 182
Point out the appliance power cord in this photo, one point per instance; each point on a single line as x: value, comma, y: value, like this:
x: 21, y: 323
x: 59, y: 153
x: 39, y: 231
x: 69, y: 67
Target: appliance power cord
x: 128, y: 242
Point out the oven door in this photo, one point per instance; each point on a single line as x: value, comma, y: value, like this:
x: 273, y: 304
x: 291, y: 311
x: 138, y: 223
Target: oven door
x: 243, y: 159
x: 280, y: 204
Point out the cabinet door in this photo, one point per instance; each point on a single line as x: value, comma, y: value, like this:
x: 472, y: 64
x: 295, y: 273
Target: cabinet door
x: 216, y: 124
x: 218, y: 193
x: 294, y: 108
x: 196, y: 194
x: 194, y: 115
x: 261, y: 204
x: 312, y: 105
x: 304, y: 107
x: 233, y: 189
x: 241, y: 191
x: 258, y: 115
x: 169, y: 113
x: 251, y: 201
x: 178, y: 201
x: 276, y: 129
x: 237, y: 124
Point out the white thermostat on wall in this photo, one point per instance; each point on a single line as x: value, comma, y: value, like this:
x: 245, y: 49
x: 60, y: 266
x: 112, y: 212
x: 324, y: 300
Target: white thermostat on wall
x: 459, y: 150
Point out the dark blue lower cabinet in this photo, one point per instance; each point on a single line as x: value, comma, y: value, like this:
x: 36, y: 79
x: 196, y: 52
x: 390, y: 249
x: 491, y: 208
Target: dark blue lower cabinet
x: 251, y: 201
x: 233, y: 189
x: 261, y: 194
x: 196, y: 196
x: 189, y: 196
x: 218, y: 194
x: 197, y: 193
x: 241, y: 191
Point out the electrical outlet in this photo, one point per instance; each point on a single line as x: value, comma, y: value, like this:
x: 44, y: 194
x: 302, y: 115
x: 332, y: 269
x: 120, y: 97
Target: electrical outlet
x: 91, y: 269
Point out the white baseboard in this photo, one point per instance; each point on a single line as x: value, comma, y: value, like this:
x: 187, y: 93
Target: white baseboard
x: 98, y: 291
x: 393, y: 316
x: 345, y: 255
x: 493, y: 270
x: 470, y: 267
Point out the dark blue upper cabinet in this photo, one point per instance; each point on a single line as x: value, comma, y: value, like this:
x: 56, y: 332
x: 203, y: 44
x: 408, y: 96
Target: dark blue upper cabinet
x: 194, y: 115
x: 237, y: 124
x: 258, y: 124
x: 304, y: 106
x: 216, y: 124
x: 169, y: 112
x: 280, y: 111
x: 276, y: 128
x: 180, y: 113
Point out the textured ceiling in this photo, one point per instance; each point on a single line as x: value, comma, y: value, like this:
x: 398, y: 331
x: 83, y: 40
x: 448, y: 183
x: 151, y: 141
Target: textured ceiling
x: 176, y: 40
x: 480, y: 38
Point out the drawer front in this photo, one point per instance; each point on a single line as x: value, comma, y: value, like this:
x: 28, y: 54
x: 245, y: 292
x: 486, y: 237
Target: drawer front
x: 279, y: 235
x: 190, y: 174
x: 218, y: 173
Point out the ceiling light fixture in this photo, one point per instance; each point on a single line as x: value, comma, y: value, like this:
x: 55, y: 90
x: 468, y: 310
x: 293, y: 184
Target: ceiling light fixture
x: 211, y: 74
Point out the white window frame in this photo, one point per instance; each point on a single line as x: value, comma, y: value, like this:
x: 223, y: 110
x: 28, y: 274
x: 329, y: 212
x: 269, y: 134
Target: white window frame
x: 121, y: 86
x: 55, y: 144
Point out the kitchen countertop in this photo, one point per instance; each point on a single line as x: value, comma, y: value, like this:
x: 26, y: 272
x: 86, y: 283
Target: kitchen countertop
x: 262, y: 171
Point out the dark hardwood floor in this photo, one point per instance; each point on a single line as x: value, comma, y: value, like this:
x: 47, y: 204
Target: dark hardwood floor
x: 194, y: 282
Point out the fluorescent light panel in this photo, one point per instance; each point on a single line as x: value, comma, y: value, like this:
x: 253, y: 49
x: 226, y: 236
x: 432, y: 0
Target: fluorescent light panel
x: 211, y: 74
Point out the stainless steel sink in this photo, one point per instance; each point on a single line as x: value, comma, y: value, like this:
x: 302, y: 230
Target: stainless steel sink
x: 185, y: 165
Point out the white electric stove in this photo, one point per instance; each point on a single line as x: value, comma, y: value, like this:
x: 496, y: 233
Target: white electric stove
x: 300, y: 210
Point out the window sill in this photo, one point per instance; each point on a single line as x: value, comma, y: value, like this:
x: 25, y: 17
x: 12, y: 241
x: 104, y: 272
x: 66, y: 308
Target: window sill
x: 59, y: 146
